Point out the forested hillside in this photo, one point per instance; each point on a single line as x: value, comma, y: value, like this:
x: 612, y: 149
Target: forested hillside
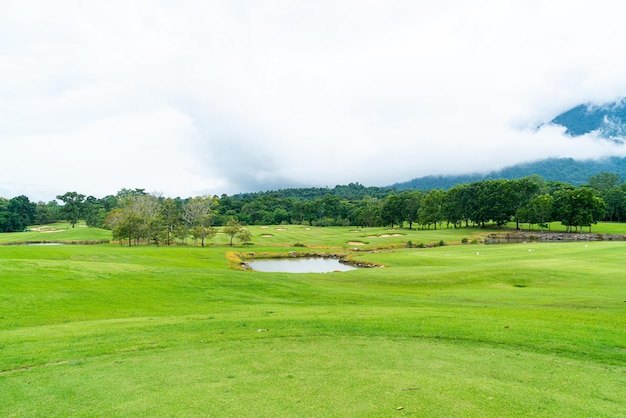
x: 608, y: 121
x: 566, y: 170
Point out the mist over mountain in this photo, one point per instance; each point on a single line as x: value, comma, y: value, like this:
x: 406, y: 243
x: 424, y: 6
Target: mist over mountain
x: 607, y: 121
x: 566, y: 170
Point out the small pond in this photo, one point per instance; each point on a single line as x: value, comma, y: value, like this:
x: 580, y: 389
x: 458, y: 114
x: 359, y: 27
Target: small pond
x: 299, y: 265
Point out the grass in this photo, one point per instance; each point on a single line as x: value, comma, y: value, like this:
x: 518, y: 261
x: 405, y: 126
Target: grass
x: 57, y: 232
x: 460, y: 330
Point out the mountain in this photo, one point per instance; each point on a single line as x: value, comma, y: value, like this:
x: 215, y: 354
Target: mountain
x: 566, y: 170
x: 607, y: 120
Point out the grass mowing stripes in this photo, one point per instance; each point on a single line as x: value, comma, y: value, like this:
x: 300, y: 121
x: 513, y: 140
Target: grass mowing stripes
x: 467, y: 330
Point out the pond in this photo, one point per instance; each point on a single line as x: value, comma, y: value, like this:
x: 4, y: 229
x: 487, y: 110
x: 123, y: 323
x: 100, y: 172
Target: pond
x: 299, y: 265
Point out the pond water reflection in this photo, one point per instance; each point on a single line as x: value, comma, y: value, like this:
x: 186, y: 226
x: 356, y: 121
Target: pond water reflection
x: 299, y: 265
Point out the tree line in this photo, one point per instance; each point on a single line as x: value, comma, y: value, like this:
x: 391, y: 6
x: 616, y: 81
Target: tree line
x: 136, y: 216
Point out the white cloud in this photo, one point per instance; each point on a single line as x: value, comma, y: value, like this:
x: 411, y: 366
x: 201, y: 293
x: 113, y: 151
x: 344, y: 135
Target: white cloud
x: 222, y: 97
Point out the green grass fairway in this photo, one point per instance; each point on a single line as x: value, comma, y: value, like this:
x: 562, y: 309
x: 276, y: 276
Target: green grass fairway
x: 455, y: 331
x: 57, y: 232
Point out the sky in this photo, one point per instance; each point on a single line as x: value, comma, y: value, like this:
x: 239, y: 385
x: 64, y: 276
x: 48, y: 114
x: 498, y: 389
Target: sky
x: 193, y: 98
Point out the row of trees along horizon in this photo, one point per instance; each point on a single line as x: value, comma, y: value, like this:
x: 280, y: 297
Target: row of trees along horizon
x: 136, y: 216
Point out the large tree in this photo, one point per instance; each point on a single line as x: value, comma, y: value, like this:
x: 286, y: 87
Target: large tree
x: 430, y: 212
x: 72, y: 206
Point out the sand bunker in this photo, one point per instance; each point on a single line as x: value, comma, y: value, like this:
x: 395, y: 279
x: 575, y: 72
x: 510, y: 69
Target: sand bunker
x: 267, y: 235
x: 356, y: 243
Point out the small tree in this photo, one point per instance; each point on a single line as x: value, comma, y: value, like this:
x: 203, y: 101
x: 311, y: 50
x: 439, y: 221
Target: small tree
x: 232, y: 228
x: 244, y: 236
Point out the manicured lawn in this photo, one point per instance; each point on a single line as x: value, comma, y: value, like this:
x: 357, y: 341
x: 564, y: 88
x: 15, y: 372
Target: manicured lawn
x: 57, y: 232
x: 459, y: 330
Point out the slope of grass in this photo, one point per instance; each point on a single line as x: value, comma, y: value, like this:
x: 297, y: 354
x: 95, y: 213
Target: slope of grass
x: 466, y: 330
x: 57, y: 232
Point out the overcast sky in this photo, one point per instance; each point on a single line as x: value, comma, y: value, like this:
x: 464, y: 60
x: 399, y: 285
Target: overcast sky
x: 199, y: 97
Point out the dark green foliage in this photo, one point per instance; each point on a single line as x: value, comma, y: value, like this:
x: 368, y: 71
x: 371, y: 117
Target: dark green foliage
x: 16, y: 213
x: 72, y: 206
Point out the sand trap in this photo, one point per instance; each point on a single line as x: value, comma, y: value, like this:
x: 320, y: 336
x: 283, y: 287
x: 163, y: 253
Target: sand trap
x: 264, y: 227
x: 397, y: 235
x: 356, y: 243
x: 385, y: 236
x: 267, y: 235
x: 281, y: 229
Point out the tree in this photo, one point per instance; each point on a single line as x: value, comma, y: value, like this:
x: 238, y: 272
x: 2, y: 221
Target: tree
x: 21, y: 212
x: 578, y: 207
x: 411, y: 201
x: 522, y: 191
x: 125, y: 224
x: 244, y: 236
x: 538, y: 211
x: 5, y: 216
x: 430, y: 212
x: 94, y: 212
x: 232, y: 228
x: 452, y: 206
x: 199, y: 217
x: 170, y: 217
x: 72, y: 206
x: 46, y: 213
x: 391, y: 210
x: 603, y: 182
